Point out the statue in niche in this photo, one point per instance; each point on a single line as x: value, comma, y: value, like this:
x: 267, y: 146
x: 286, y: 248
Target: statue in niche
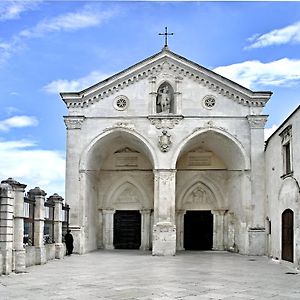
x: 164, y: 99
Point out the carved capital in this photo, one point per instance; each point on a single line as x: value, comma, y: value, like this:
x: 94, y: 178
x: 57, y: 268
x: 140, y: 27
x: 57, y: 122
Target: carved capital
x: 74, y: 122
x: 165, y: 122
x: 257, y: 121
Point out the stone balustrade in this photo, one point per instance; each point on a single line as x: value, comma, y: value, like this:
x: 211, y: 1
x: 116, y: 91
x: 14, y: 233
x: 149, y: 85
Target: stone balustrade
x: 31, y: 227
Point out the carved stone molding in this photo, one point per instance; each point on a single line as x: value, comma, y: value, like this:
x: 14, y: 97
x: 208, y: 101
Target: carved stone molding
x: 163, y: 122
x: 123, y: 124
x: 257, y: 121
x: 164, y: 141
x: 74, y: 122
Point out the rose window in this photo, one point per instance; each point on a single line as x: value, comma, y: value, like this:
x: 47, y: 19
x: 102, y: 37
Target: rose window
x: 121, y: 103
x: 209, y: 102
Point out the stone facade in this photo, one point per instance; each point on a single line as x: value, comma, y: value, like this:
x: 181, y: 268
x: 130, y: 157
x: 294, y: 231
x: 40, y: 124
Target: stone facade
x: 282, y: 191
x: 166, y: 138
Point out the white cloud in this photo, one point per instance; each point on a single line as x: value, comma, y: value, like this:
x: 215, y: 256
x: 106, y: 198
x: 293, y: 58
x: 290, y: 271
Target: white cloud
x: 17, y: 122
x: 285, y: 35
x: 10, y: 10
x: 68, y: 22
x: 282, y: 72
x: 34, y: 167
x: 269, y: 131
x: 89, y: 16
x: 63, y: 85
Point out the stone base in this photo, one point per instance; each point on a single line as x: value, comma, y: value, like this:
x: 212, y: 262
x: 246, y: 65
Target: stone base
x: 6, y: 262
x: 20, y: 261
x: 164, y: 239
x: 78, y: 237
x: 60, y: 250
x: 40, y: 255
x: 257, y: 241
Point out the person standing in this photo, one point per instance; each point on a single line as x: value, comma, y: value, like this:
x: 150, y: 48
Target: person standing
x: 69, y: 242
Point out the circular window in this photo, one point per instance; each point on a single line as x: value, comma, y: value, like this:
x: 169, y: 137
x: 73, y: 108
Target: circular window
x: 121, y: 103
x: 209, y: 102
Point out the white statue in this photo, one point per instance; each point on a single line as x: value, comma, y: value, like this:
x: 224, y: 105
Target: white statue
x: 164, y: 99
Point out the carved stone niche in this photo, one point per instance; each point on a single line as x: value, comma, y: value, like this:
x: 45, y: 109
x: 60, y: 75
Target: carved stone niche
x: 165, y: 99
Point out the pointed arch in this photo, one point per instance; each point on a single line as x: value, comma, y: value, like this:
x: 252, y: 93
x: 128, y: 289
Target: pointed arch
x: 221, y: 142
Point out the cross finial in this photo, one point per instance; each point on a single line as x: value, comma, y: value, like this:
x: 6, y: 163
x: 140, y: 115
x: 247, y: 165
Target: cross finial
x: 166, y: 33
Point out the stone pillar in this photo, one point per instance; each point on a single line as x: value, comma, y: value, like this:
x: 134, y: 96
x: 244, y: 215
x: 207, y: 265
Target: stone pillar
x: 6, y: 228
x: 145, y: 230
x: 178, y: 95
x: 218, y: 229
x: 164, y: 229
x: 19, y: 250
x: 256, y: 232
x: 153, y: 94
x: 180, y: 229
x: 108, y: 228
x: 38, y: 195
x: 75, y: 181
x: 59, y: 247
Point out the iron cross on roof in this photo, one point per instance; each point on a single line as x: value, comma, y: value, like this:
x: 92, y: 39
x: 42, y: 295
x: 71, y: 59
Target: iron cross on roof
x: 166, y: 36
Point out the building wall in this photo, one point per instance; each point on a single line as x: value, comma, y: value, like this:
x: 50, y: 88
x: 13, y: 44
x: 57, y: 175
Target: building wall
x: 282, y: 190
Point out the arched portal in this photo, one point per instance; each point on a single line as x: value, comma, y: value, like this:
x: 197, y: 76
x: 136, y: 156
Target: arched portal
x: 210, y: 189
x: 287, y: 238
x: 117, y: 186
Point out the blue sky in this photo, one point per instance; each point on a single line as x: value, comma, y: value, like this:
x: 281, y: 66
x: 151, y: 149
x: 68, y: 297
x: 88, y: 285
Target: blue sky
x: 52, y: 46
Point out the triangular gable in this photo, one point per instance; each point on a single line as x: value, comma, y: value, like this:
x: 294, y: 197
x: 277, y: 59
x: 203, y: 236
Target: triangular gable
x: 177, y: 64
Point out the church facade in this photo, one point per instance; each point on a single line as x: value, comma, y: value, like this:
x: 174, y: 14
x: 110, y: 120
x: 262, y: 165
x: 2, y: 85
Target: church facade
x: 167, y: 155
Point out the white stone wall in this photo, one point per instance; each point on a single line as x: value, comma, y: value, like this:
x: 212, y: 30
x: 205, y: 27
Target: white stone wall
x: 282, y: 192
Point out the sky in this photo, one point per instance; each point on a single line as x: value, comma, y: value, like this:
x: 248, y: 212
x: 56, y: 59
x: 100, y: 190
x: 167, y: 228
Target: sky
x: 47, y: 47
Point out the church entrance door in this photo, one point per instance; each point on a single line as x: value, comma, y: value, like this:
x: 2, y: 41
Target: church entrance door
x: 288, y: 235
x: 127, y: 229
x: 198, y: 230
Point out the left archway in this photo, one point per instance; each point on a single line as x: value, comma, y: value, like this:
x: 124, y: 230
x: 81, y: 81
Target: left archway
x: 117, y: 160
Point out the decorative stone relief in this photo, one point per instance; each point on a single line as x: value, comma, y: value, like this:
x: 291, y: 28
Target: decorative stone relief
x: 199, y: 196
x: 164, y: 142
x: 209, y: 102
x: 121, y: 103
x: 74, y: 122
x: 286, y: 134
x: 126, y: 150
x: 126, y: 125
x: 162, y: 123
x: 257, y: 121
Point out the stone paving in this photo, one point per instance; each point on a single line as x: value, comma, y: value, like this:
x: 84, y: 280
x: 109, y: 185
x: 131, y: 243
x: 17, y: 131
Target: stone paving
x: 128, y: 275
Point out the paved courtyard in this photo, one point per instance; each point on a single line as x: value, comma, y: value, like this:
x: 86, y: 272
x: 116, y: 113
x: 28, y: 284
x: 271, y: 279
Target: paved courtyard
x: 128, y: 275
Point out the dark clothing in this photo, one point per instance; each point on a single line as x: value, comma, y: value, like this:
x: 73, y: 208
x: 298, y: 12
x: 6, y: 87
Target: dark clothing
x: 69, y: 243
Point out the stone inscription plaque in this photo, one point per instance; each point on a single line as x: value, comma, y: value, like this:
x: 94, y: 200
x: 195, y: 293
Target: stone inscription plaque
x: 126, y: 161
x: 199, y: 160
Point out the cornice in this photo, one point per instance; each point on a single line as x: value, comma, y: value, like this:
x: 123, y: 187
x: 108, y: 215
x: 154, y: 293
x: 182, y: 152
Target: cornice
x: 176, y: 65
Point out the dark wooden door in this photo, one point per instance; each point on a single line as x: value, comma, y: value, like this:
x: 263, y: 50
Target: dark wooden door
x: 127, y: 229
x: 198, y: 230
x: 288, y: 235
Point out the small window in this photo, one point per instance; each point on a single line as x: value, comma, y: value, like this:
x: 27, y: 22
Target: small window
x: 286, y: 141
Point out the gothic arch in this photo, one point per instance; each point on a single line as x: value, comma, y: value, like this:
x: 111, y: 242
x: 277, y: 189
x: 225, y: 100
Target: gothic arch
x: 96, y: 148
x: 112, y: 196
x: 235, y: 156
x: 209, y: 186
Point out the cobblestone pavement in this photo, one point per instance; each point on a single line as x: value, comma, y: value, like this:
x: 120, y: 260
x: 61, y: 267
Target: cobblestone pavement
x: 128, y: 275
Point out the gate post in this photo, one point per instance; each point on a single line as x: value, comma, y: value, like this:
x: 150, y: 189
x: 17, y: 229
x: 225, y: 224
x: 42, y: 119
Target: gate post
x: 108, y: 228
x: 145, y: 230
x: 39, y: 217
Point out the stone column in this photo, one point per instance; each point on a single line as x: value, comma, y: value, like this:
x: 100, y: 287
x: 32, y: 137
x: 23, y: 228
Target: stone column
x: 153, y: 94
x: 38, y: 195
x: 256, y: 228
x: 6, y: 228
x: 59, y: 247
x: 145, y: 232
x: 178, y: 95
x: 75, y: 181
x: 218, y: 229
x: 164, y: 229
x: 19, y: 250
x: 108, y: 228
x: 180, y: 229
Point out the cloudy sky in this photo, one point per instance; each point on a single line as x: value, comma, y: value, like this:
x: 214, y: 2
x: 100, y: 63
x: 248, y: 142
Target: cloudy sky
x: 52, y: 46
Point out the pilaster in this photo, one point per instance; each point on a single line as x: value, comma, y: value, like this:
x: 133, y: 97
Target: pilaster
x: 218, y: 229
x: 38, y: 195
x: 108, y: 228
x: 59, y: 247
x: 18, y: 224
x: 180, y: 229
x: 145, y: 233
x: 164, y: 229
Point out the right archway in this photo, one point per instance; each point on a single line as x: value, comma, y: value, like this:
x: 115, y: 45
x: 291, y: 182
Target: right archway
x: 211, y: 191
